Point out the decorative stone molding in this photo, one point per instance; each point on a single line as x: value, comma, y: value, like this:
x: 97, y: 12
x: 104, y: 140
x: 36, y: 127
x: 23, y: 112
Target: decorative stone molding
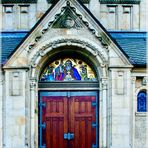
x: 69, y: 42
x: 15, y: 79
x: 141, y: 88
x: 120, y: 85
x: 33, y: 84
x: 2, y: 80
x: 104, y: 82
x: 105, y: 41
x: 133, y: 79
x: 120, y: 1
x: 103, y: 65
x: 83, y: 1
x: 144, y: 81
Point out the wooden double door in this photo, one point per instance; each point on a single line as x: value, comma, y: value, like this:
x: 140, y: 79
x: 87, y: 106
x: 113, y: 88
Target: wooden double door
x: 68, y: 120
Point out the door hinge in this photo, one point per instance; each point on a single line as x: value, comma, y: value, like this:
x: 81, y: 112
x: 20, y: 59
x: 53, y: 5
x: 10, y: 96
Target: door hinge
x: 94, y: 146
x: 43, y: 125
x: 43, y: 104
x: 93, y: 104
x: 42, y: 146
x: 93, y: 124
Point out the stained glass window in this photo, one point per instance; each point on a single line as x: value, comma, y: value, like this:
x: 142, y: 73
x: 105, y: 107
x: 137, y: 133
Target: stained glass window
x: 68, y: 69
x: 141, y: 102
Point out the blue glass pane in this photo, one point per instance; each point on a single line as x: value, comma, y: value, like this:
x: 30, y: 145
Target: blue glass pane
x: 141, y: 99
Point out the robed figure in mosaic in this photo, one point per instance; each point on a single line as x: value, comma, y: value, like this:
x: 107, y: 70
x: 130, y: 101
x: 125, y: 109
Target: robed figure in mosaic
x: 67, y: 72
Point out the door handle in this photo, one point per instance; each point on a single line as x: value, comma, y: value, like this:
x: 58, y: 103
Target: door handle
x: 68, y: 136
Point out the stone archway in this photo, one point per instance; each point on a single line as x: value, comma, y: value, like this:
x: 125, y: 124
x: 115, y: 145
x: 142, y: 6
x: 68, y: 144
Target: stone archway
x: 99, y: 62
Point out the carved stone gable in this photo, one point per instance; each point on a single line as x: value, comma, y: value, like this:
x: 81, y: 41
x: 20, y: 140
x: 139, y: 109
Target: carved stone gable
x: 68, y: 18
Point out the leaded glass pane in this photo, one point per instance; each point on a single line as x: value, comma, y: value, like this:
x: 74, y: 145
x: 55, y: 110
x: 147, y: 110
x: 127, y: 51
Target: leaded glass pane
x: 68, y: 69
x: 141, y: 106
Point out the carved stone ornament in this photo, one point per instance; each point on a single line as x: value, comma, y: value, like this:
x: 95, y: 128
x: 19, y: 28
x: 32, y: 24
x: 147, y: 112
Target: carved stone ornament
x: 69, y: 22
x: 62, y: 42
x: 133, y: 79
x: 144, y: 81
x: 104, y: 83
x: 69, y: 18
x: 33, y: 83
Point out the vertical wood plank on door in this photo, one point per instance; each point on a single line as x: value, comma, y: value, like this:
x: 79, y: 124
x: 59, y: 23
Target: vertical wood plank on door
x: 48, y: 134
x: 65, y: 112
x: 71, y: 122
x: 54, y: 137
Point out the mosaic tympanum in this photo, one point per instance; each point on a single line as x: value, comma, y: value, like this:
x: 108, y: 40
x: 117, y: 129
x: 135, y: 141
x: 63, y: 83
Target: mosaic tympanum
x: 68, y: 70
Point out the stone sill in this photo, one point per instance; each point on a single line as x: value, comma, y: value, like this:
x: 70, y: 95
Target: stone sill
x: 54, y: 1
x: 141, y: 114
x: 120, y: 1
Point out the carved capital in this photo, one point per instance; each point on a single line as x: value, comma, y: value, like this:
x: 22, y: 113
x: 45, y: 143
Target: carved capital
x: 133, y: 79
x: 33, y: 83
x: 103, y: 65
x: 104, y: 83
x: 1, y: 81
x: 144, y: 81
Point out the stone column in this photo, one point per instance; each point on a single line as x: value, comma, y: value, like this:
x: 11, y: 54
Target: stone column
x: 133, y: 104
x: 104, y: 112
x: 1, y: 106
x: 33, y: 85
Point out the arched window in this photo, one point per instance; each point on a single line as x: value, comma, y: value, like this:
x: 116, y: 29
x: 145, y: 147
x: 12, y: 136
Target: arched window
x: 141, y: 101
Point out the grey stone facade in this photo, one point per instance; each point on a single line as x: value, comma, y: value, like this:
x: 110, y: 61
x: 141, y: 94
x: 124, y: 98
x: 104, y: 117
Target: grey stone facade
x: 121, y: 126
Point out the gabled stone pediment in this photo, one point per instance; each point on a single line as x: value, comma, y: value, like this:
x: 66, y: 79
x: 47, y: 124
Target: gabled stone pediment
x: 67, y: 21
x: 68, y: 18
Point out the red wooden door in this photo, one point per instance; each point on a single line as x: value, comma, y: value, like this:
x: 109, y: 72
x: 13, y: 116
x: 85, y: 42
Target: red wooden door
x: 82, y: 116
x: 74, y: 115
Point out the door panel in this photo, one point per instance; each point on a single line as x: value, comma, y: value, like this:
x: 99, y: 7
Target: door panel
x: 82, y: 115
x: 55, y: 117
x: 73, y: 113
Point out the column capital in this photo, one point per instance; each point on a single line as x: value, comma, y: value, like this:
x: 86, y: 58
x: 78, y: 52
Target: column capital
x: 133, y: 79
x: 33, y: 83
x: 104, y: 82
x: 103, y: 65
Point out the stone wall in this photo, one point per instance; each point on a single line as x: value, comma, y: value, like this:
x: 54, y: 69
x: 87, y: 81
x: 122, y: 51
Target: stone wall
x: 112, y: 16
x: 141, y: 126
x: 119, y: 99
x: 14, y: 108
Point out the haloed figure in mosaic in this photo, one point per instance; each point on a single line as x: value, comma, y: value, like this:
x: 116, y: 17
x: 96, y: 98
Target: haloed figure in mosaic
x: 70, y: 72
x: 59, y: 72
x: 49, y: 75
x: 83, y: 72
